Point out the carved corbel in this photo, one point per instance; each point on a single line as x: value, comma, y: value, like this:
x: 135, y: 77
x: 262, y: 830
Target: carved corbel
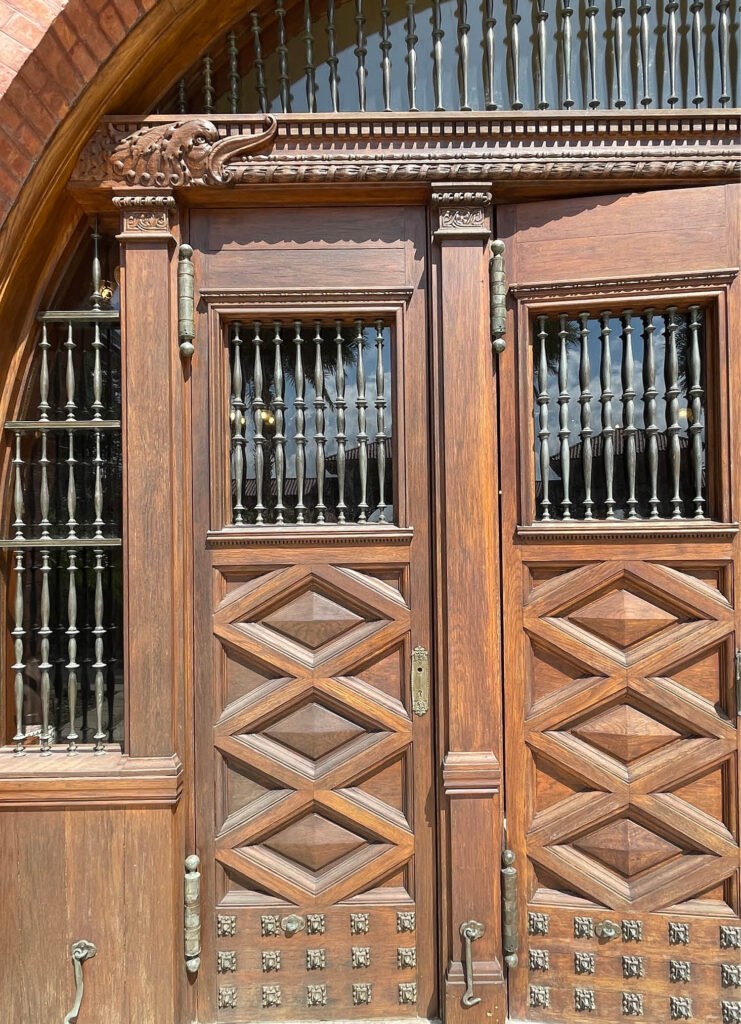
x: 145, y: 216
x: 462, y: 212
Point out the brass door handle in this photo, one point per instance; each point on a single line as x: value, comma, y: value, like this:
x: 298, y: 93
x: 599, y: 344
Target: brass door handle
x: 470, y: 930
x: 80, y: 952
x: 607, y: 930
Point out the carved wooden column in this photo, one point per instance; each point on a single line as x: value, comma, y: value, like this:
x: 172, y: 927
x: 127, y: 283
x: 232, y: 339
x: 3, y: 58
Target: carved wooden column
x: 152, y: 433
x: 469, y: 600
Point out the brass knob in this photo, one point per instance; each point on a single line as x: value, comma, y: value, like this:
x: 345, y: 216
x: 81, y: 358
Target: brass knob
x: 607, y: 930
x: 292, y: 924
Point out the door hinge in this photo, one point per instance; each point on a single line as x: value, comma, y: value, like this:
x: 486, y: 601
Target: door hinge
x: 497, y: 296
x: 186, y: 301
x: 420, y: 681
x: 738, y: 682
x: 510, y: 938
x: 192, y: 921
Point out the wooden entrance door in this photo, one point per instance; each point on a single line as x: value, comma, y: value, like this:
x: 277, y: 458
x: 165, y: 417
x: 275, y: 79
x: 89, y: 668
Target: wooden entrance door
x: 621, y: 578
x: 315, y: 801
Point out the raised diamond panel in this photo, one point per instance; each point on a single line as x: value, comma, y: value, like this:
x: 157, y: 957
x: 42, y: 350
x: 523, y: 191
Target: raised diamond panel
x: 312, y: 619
x: 625, y: 733
x: 622, y: 618
x: 314, y: 731
x: 626, y: 847
x: 314, y: 842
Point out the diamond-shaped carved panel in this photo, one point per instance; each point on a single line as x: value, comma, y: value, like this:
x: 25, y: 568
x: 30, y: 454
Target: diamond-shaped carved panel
x: 622, y: 618
x: 314, y: 731
x: 314, y: 842
x: 626, y: 733
x: 627, y: 847
x: 312, y: 619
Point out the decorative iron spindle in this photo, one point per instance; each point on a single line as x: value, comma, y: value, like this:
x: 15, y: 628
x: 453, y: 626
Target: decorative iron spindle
x: 209, y: 93
x: 671, y: 50
x: 585, y: 399
x: 319, y: 406
x: 361, y: 50
x: 97, y: 406
x: 98, y: 488
x: 567, y: 13
x: 238, y: 423
x: 44, y: 345
x: 697, y: 7
x: 361, y: 403
x: 541, y: 17
x: 608, y: 429
x: 18, y: 509
x: 489, y: 25
x: 279, y: 438
x: 695, y: 397
x: 618, y: 12
x: 69, y: 346
x: 411, y: 41
x: 309, y: 69
x: 628, y: 400
x: 96, y: 297
x: 543, y: 431
x: 671, y: 379
x: 380, y: 422
x: 341, y: 405
x: 649, y: 411
x: 563, y: 416
x: 71, y: 486
x: 644, y: 36
x: 72, y: 666
x: 45, y: 664
x: 259, y: 64
x: 591, y: 12
x: 463, y: 29
x: 258, y: 410
x: 299, y: 404
x: 45, y: 523
x: 282, y: 51
x: 18, y: 666
x: 514, y: 53
x: 437, y: 54
x: 724, y: 33
x: 182, y: 100
x: 234, y: 79
x: 332, y: 59
x: 99, y: 664
x: 385, y: 46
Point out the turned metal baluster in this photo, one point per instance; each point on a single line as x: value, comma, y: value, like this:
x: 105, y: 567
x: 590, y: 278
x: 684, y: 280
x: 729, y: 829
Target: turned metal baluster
x: 542, y: 16
x: 341, y: 405
x: 72, y: 666
x: 585, y: 399
x: 234, y: 79
x: 411, y: 40
x: 182, y: 100
x: 98, y: 488
x: 360, y: 51
x: 332, y: 58
x: 18, y: 524
x: 723, y: 51
x: 309, y: 69
x: 238, y: 422
x: 437, y: 53
x: 282, y: 51
x: 279, y: 405
x: 44, y: 376
x: 644, y: 38
x: 649, y: 411
x: 671, y: 380
x: 489, y: 25
x: 44, y: 485
x: 608, y: 429
x: 671, y: 49
x: 628, y: 400
x: 385, y: 45
x: 258, y: 409
x: 514, y: 51
x: 618, y: 12
x: 696, y: 396
x: 208, y: 86
x: 299, y: 436
x: 45, y: 664
x: 69, y: 345
x: 99, y: 665
x: 563, y: 416
x: 71, y: 487
x: 97, y: 406
x: 463, y: 29
x: 380, y: 422
x: 696, y: 7
x: 262, y: 93
x: 567, y: 13
x: 591, y: 13
x: 19, y: 665
x: 361, y: 403
x: 543, y: 431
x: 96, y: 297
x: 319, y: 407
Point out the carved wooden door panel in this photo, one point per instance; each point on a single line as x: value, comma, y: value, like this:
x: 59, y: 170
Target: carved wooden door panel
x: 621, y: 582
x: 315, y: 801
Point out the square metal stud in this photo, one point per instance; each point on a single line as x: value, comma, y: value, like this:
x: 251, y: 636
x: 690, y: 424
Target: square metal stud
x: 269, y: 925
x: 679, y: 933
x: 226, y: 962
x: 537, y: 924
x: 632, y: 1004
x: 227, y: 997
x: 270, y: 960
x: 271, y: 996
x: 730, y: 938
x: 316, y: 959
x: 730, y: 975
x: 680, y: 1008
x: 633, y: 967
x: 538, y: 959
x: 362, y: 994
x: 540, y: 995
x: 407, y: 993
x: 359, y: 924
x: 730, y: 1012
x: 226, y: 925
x: 361, y: 956
x: 406, y: 921
x: 680, y: 971
x: 406, y: 956
x: 316, y: 924
x: 584, y: 963
x: 632, y: 931
x: 584, y: 1001
x: 583, y: 927
x: 316, y: 995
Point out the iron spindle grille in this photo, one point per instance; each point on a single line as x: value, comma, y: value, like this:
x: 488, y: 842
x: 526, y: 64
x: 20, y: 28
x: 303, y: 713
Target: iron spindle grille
x: 619, y: 409
x: 65, y: 569
x: 311, y: 422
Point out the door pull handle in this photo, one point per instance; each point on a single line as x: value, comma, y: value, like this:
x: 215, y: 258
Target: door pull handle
x: 192, y: 914
x: 470, y: 930
x: 510, y: 937
x: 80, y: 952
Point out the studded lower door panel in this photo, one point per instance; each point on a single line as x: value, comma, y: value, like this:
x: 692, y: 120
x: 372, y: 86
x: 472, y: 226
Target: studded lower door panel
x: 627, y: 839
x: 320, y: 898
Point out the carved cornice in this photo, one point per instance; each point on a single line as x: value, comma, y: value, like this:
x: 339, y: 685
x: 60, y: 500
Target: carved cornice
x: 428, y: 148
x: 471, y: 771
x: 610, y: 287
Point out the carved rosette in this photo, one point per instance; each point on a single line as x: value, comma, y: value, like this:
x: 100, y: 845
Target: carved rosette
x: 463, y: 212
